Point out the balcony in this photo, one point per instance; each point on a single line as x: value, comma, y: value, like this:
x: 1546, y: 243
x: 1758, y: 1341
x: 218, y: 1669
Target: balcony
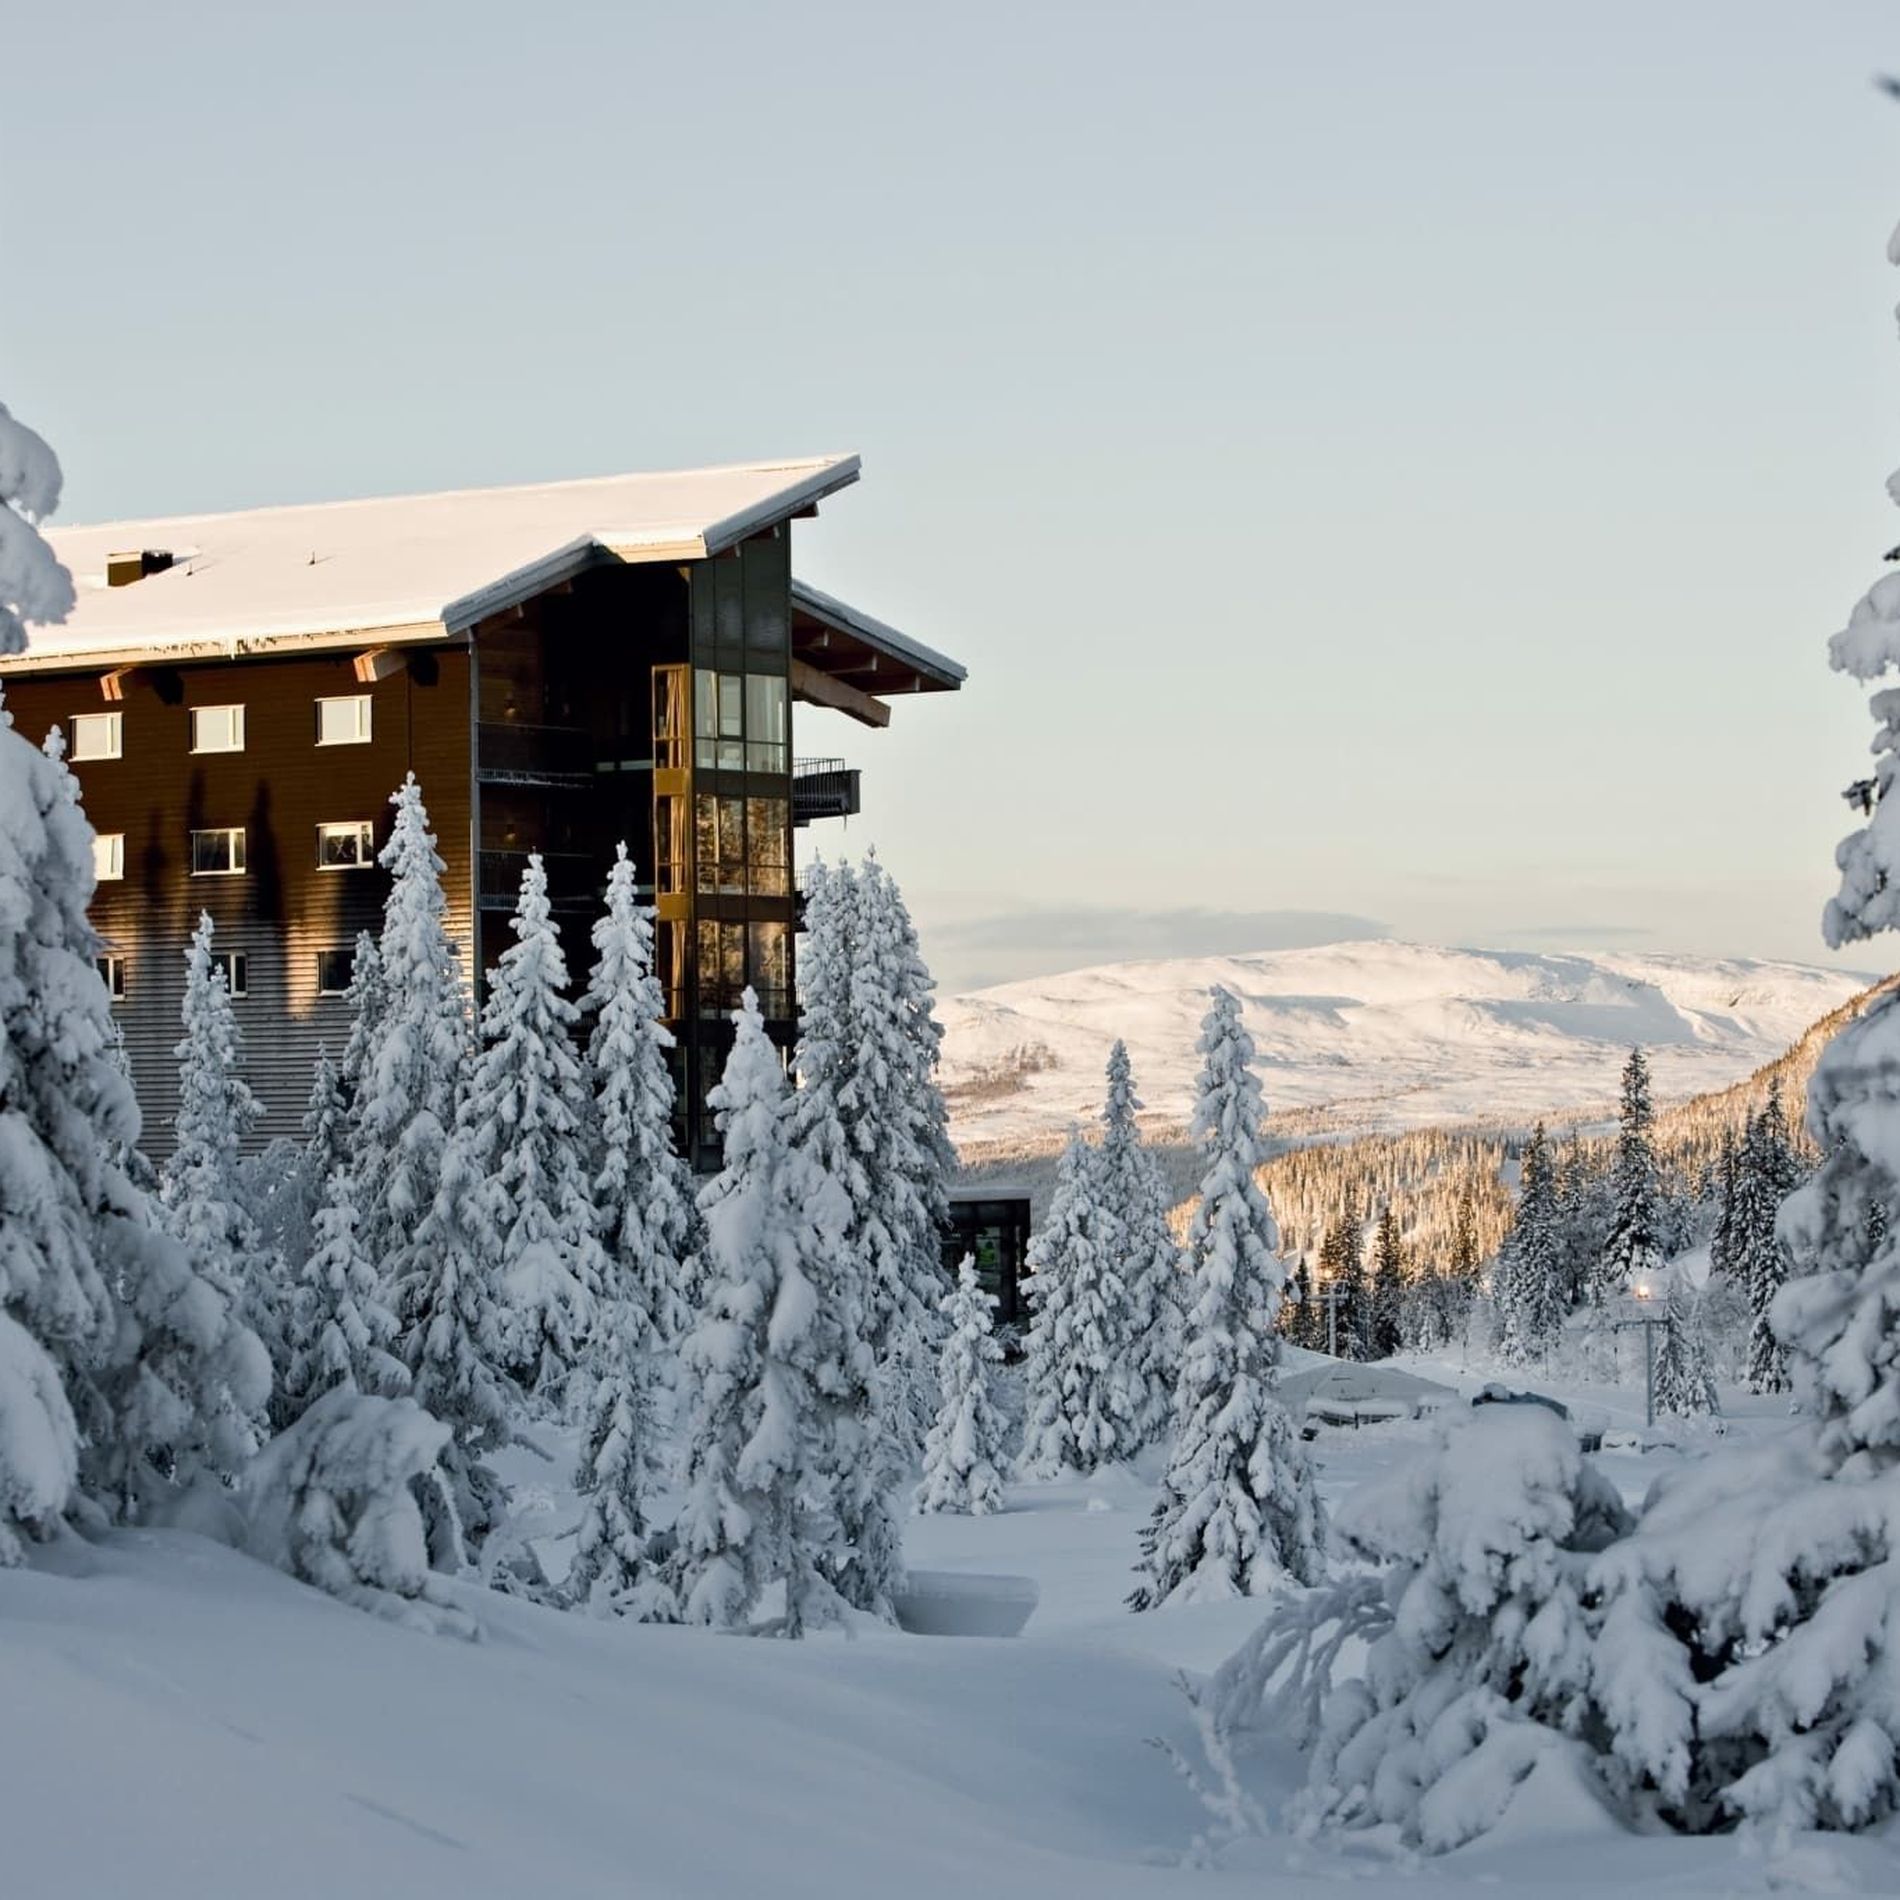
x: 574, y: 880
x: 823, y: 788
x: 556, y: 756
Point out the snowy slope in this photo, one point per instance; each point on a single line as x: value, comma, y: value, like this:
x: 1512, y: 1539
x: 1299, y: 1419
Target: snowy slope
x: 1377, y: 1035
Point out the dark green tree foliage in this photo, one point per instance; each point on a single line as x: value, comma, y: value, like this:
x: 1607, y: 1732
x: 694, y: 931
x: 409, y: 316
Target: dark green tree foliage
x: 1635, y: 1247
x: 1342, y: 1267
x: 1527, y: 1285
x: 1766, y: 1173
x: 1386, y: 1304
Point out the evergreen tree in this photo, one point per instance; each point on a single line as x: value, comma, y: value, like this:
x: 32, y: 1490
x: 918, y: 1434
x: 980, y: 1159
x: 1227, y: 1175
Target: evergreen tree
x: 199, y: 1183
x: 616, y: 1569
x: 341, y: 1330
x: 455, y: 1339
x: 1342, y: 1265
x: 1727, y: 1183
x: 1237, y: 1506
x: 1384, y: 1333
x: 367, y: 1002
x: 757, y: 1505
x: 415, y: 1052
x: 641, y: 1186
x: 124, y: 1376
x: 326, y: 1130
x: 965, y: 1455
x: 1766, y: 1173
x: 1685, y: 1379
x: 33, y: 585
x: 1634, y: 1251
x: 862, y: 1454
x: 894, y: 1109
x: 1129, y: 1187
x: 1081, y: 1394
x: 1527, y: 1284
x: 527, y: 1099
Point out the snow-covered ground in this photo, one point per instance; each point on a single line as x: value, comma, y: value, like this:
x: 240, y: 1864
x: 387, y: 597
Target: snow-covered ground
x: 177, y: 1720
x: 1378, y: 1036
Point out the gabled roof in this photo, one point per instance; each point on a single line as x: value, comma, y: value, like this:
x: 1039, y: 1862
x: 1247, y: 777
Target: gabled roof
x: 408, y: 568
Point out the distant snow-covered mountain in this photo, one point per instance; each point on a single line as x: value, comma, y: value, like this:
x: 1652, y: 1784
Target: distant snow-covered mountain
x: 1377, y: 1035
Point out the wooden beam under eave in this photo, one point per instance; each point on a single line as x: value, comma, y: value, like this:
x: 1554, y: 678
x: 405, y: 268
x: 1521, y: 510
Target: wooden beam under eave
x: 379, y: 663
x: 112, y: 685
x: 820, y: 689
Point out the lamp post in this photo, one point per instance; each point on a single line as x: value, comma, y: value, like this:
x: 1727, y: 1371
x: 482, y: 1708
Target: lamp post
x: 1648, y: 1321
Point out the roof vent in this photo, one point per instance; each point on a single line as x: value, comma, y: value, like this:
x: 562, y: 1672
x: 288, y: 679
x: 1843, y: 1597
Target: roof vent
x: 123, y: 569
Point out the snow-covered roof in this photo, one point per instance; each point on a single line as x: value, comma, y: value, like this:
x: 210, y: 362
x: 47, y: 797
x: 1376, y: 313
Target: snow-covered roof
x: 933, y: 668
x: 414, y: 567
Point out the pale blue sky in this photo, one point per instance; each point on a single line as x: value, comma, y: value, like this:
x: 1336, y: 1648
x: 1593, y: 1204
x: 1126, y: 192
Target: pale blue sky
x: 1396, y: 463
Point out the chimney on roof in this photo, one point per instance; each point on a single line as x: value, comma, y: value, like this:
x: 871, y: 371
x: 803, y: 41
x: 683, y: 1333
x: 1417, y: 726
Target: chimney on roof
x: 123, y: 569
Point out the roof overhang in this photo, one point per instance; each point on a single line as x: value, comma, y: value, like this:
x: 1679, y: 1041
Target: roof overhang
x: 852, y: 648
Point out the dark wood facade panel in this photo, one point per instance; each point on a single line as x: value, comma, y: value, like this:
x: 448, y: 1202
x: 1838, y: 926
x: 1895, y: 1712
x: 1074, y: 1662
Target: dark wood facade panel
x: 283, y: 909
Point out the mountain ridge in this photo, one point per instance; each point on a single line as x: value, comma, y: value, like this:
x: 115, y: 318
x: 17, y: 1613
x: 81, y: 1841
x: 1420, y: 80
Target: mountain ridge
x: 1378, y: 1036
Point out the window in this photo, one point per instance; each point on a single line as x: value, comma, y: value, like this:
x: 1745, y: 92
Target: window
x: 346, y: 847
x: 217, y: 728
x: 673, y: 848
x: 98, y: 736
x: 334, y: 971
x: 764, y: 723
x: 740, y: 721
x: 235, y: 968
x: 218, y: 853
x: 112, y: 975
x: 768, y: 847
x: 719, y: 720
x: 719, y: 844
x: 343, y: 721
x: 733, y: 956
x: 669, y: 718
x: 108, y: 856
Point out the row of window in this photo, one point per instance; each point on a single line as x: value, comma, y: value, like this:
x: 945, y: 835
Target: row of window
x: 334, y: 968
x: 101, y: 735
x: 740, y: 721
x: 346, y: 846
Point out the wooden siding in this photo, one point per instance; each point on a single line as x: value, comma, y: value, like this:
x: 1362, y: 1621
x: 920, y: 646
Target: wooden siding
x: 283, y: 909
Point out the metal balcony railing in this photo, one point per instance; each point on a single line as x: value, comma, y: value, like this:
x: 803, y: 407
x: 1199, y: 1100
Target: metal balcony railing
x: 574, y: 879
x: 511, y: 754
x: 823, y: 788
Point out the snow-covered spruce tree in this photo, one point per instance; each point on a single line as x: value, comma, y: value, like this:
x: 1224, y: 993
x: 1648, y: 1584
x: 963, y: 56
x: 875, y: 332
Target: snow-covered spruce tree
x: 529, y: 1101
x: 124, y: 1376
x: 1634, y: 1250
x: 894, y: 1109
x: 198, y: 1184
x: 33, y: 585
x: 965, y: 1454
x: 757, y: 1506
x: 1238, y: 1508
x: 366, y: 1001
x: 455, y: 1338
x: 864, y: 1458
x: 1725, y: 1183
x: 615, y: 1569
x: 1527, y: 1283
x: 641, y: 1187
x: 1766, y: 1173
x: 1768, y: 1580
x: 1386, y: 1291
x: 416, y: 1051
x: 1342, y: 1267
x: 340, y: 1329
x: 1129, y: 1187
x: 1480, y: 1636
x: 1081, y: 1398
x: 1685, y: 1377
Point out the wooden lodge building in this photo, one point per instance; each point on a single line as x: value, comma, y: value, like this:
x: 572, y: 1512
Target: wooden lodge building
x: 562, y: 666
